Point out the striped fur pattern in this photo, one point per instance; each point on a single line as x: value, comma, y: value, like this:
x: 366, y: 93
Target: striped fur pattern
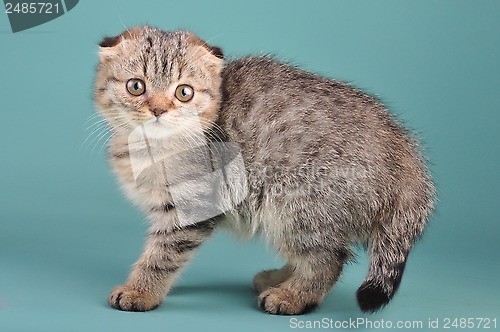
x: 326, y: 168
x: 161, y: 262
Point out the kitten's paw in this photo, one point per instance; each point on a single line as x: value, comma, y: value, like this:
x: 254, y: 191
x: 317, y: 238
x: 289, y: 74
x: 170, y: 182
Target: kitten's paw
x: 128, y: 299
x: 269, y: 278
x: 263, y: 280
x: 282, y: 301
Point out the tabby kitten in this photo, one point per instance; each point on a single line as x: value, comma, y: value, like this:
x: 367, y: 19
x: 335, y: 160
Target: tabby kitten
x: 316, y: 167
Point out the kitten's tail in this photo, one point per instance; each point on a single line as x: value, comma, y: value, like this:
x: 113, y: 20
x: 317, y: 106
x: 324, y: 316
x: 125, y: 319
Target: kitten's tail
x: 389, y: 248
x: 381, y: 283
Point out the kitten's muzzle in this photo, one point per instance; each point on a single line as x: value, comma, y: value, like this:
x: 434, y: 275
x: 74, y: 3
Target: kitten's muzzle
x: 157, y: 111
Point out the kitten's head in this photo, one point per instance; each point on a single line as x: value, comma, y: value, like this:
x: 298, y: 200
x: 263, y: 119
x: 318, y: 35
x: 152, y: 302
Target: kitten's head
x: 163, y: 80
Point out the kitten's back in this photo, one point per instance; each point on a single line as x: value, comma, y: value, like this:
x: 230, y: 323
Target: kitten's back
x: 296, y: 114
x: 376, y: 190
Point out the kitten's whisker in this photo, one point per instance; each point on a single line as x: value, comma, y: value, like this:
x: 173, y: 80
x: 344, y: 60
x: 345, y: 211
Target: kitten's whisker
x: 210, y: 127
x: 104, y: 144
x: 121, y: 21
x: 212, y: 134
x: 114, y: 131
x: 96, y: 126
x: 121, y: 128
x: 199, y: 140
x: 188, y: 137
x: 212, y: 124
x: 99, y: 129
x: 214, y: 37
x: 102, y: 119
x: 91, y: 118
x: 185, y: 133
x: 214, y: 130
x: 103, y: 135
x: 118, y: 127
x: 97, y: 123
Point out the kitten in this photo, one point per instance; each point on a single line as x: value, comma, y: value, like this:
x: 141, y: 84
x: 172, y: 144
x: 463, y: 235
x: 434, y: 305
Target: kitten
x: 313, y: 165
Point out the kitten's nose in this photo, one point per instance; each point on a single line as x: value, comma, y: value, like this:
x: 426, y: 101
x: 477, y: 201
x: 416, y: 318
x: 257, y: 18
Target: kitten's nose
x: 157, y: 111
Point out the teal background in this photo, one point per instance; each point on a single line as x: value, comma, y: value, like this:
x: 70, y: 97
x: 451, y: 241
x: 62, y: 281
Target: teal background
x: 67, y: 235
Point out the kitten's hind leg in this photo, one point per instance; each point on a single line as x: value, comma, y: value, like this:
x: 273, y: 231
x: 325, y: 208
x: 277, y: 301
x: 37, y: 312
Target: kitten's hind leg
x: 152, y: 276
x: 310, y: 280
x: 271, y: 278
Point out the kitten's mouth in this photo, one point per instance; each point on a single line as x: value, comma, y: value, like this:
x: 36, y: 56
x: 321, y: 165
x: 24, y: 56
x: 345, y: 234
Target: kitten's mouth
x: 157, y: 122
x: 157, y: 128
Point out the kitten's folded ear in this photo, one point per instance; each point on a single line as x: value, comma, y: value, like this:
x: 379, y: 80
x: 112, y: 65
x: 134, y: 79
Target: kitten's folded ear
x: 108, y: 47
x: 110, y: 41
x: 216, y: 51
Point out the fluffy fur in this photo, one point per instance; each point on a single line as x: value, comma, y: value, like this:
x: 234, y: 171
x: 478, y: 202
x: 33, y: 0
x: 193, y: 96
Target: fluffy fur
x: 326, y: 168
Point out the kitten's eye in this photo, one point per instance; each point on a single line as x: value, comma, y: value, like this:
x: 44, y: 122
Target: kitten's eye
x: 184, y: 92
x: 136, y: 87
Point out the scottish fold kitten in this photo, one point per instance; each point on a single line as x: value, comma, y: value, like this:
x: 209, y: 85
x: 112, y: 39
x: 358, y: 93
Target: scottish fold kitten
x: 312, y: 165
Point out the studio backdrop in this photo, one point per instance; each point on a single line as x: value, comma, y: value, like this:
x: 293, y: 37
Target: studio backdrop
x: 68, y: 235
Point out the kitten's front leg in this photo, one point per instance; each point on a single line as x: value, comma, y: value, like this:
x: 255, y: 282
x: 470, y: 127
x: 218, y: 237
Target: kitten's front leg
x: 155, y: 272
